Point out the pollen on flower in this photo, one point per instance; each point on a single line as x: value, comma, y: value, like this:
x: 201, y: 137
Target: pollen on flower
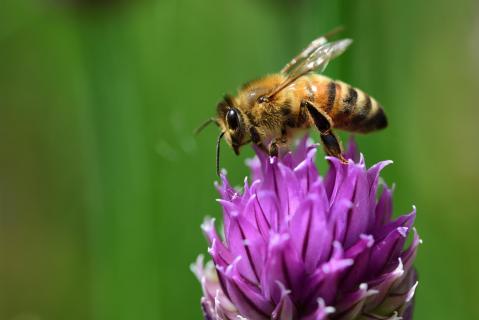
x: 298, y: 245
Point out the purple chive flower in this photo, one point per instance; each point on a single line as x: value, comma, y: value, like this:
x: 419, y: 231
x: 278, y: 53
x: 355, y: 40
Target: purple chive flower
x: 296, y: 245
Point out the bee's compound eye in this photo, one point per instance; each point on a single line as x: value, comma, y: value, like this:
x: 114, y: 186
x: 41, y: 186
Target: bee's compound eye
x: 232, y: 119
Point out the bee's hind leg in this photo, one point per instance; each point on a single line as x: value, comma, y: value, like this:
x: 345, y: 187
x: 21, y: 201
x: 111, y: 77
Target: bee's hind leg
x: 331, y: 146
x: 330, y: 140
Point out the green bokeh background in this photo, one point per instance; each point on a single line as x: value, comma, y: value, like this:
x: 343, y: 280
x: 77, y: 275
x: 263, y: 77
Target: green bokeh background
x: 103, y: 186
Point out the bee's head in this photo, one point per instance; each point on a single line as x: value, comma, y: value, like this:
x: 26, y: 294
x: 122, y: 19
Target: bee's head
x: 232, y: 122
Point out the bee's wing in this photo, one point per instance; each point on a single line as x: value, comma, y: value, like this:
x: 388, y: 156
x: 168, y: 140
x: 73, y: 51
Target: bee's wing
x: 314, y: 58
x: 318, y: 57
x: 315, y: 44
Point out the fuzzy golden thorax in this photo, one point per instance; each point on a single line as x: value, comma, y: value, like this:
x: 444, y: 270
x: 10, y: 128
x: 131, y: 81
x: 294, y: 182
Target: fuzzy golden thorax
x: 251, y: 115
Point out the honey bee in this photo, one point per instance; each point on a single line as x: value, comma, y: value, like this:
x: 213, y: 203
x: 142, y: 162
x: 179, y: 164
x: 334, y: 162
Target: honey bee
x: 269, y: 111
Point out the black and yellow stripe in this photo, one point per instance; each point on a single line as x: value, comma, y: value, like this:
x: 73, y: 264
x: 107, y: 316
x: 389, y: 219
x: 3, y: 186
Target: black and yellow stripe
x: 331, y: 97
x: 353, y: 110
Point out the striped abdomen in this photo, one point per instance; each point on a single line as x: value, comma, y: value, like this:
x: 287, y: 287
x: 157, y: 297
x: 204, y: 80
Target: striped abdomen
x: 349, y: 108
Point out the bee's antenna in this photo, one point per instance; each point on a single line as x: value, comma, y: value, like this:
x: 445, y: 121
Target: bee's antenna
x: 205, y: 124
x: 218, y: 143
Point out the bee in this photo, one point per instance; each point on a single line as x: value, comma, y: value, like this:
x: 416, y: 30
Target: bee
x: 268, y: 112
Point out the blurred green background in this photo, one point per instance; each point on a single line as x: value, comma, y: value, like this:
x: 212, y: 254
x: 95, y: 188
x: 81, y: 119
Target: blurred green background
x: 103, y: 186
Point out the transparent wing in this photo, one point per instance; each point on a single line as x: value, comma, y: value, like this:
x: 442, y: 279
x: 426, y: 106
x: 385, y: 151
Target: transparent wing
x: 316, y: 43
x: 305, y: 53
x: 314, y: 58
x: 318, y: 58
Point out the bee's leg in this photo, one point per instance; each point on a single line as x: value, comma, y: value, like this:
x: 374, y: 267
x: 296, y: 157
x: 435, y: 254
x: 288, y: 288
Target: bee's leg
x: 331, y: 145
x: 273, y: 149
x: 330, y: 140
x: 257, y: 139
x: 278, y: 145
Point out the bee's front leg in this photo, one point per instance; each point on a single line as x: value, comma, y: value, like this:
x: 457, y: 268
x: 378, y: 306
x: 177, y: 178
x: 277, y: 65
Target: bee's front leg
x: 278, y: 144
x: 257, y: 139
x: 330, y: 141
x: 273, y: 149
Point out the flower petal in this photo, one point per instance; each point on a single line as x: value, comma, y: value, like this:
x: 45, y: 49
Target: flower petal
x: 283, y: 265
x: 246, y: 297
x: 352, y: 152
x: 351, y: 305
x: 321, y: 312
x: 409, y: 255
x: 359, y: 216
x: 384, y: 208
x: 246, y: 242
x: 360, y: 253
x: 312, y: 239
x: 207, y: 308
x: 383, y: 285
x: 285, y: 309
x: 324, y: 282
